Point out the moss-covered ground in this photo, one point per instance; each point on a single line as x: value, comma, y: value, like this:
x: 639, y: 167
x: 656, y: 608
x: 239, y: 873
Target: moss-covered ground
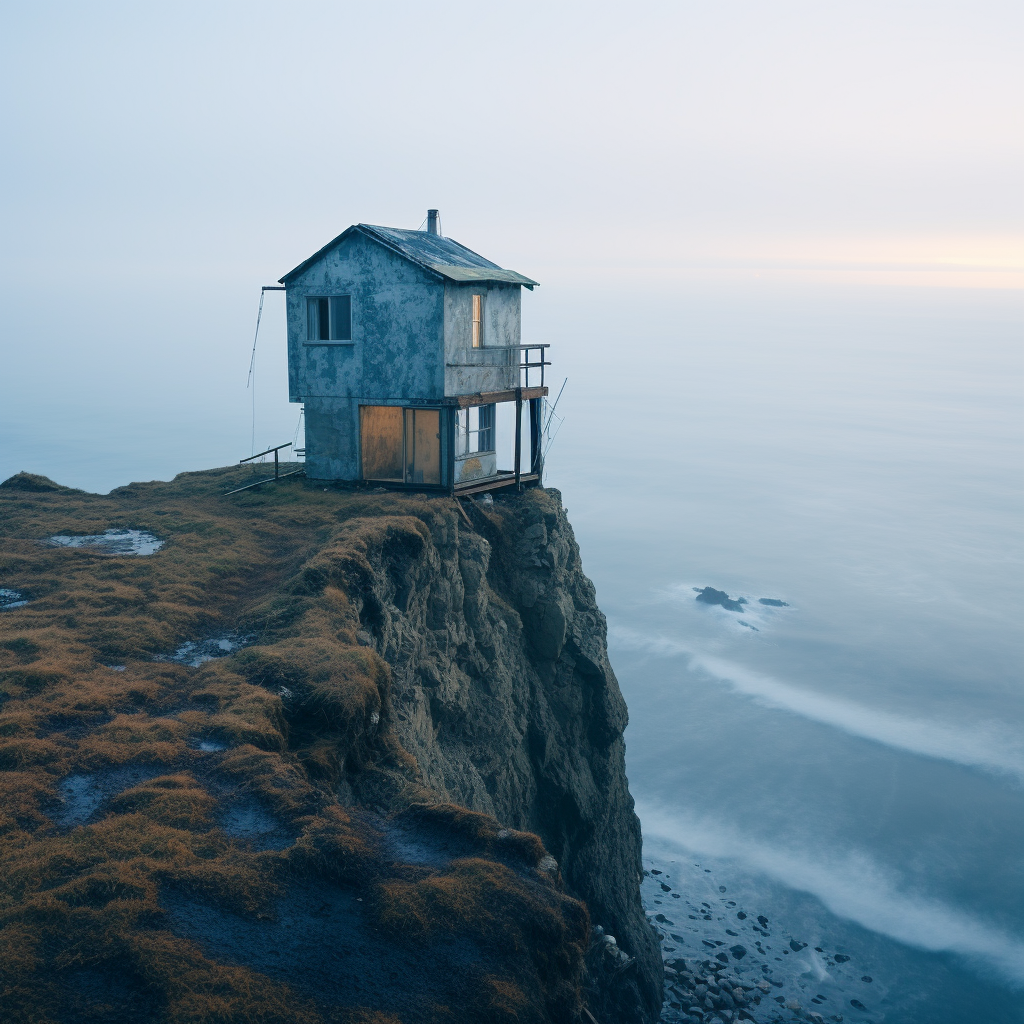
x: 172, y: 842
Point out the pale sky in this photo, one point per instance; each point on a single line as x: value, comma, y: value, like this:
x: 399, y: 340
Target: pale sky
x: 205, y: 138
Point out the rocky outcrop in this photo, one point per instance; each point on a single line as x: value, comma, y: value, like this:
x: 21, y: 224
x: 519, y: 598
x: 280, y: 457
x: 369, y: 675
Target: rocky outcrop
x: 502, y: 691
x: 311, y: 757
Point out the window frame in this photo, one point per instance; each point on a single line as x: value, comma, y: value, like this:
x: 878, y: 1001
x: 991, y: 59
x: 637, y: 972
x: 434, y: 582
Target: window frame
x: 476, y: 320
x: 474, y: 426
x: 338, y: 323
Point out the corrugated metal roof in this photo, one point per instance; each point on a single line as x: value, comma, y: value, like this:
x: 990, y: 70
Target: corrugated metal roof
x: 442, y: 256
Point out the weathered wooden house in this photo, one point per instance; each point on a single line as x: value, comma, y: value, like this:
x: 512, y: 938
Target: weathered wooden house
x: 403, y: 345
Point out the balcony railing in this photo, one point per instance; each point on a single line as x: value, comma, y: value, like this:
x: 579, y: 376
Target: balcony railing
x: 521, y: 357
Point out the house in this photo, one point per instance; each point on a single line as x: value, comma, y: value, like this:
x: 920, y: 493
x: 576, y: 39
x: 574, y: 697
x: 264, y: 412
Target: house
x: 406, y: 349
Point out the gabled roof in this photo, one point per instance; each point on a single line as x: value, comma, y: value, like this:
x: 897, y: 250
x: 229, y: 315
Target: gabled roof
x: 444, y: 257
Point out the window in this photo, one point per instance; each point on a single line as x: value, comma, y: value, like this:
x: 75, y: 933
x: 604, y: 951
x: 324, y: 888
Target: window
x: 474, y: 430
x: 329, y: 318
x: 478, y: 321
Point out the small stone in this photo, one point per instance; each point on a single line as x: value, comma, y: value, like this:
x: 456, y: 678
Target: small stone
x: 796, y: 946
x: 762, y: 921
x: 840, y: 958
x: 741, y: 916
x: 858, y: 1005
x: 866, y: 978
x: 793, y: 1005
x: 738, y: 952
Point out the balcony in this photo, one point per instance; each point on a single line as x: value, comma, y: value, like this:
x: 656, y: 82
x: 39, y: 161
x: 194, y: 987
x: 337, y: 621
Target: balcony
x: 523, y: 357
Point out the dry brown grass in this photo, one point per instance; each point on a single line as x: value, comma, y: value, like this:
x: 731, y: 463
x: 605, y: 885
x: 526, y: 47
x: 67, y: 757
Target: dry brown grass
x: 286, y: 567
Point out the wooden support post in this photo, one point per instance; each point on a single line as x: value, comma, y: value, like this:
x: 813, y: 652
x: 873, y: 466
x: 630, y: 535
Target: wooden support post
x: 519, y: 434
x: 277, y: 468
x: 535, y: 438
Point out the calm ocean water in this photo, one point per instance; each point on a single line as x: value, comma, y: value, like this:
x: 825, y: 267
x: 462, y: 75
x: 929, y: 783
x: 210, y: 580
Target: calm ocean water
x: 849, y: 764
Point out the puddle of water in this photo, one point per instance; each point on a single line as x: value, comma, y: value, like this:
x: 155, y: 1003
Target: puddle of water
x: 82, y: 796
x: 11, y: 599
x: 196, y: 652
x: 211, y: 746
x: 111, y: 542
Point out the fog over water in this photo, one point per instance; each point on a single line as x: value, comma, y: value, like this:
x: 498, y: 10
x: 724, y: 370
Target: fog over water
x: 781, y: 264
x: 855, y: 454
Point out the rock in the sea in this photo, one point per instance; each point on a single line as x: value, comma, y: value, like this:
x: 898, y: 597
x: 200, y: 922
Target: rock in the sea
x: 738, y: 952
x: 796, y: 946
x: 840, y: 958
x: 858, y: 1005
x: 708, y: 595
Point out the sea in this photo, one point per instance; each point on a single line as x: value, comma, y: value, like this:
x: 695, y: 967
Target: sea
x: 802, y: 504
x: 838, y: 744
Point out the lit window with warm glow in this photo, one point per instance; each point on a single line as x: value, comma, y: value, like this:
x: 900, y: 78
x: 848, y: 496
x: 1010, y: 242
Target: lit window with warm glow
x: 478, y: 321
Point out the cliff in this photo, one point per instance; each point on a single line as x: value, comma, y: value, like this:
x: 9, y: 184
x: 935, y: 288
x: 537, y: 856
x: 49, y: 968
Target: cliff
x: 322, y: 756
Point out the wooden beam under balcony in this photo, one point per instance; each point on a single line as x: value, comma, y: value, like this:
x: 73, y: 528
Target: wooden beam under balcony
x: 492, y: 397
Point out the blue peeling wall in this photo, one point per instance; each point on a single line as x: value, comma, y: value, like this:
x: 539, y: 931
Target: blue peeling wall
x: 494, y: 367
x: 396, y: 354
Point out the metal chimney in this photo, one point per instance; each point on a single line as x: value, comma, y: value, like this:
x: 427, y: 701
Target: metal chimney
x: 431, y: 222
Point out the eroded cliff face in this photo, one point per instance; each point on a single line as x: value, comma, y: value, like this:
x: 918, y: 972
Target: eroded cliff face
x: 502, y: 691
x: 291, y: 766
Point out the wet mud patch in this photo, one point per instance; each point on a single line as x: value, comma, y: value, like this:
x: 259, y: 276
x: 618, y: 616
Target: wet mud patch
x: 110, y: 542
x: 91, y: 995
x: 84, y: 796
x: 321, y: 941
x: 247, y: 820
x: 407, y: 841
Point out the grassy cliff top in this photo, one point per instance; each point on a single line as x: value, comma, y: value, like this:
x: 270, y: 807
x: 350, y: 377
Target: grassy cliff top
x: 175, y: 731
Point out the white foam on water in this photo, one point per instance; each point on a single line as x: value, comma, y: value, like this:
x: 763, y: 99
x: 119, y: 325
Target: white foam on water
x: 989, y: 746
x: 852, y: 886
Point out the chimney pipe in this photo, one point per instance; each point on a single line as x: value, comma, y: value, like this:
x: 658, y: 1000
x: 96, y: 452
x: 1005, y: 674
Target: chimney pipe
x: 431, y: 222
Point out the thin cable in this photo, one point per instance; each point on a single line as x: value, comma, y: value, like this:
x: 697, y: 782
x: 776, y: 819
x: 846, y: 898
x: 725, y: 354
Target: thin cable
x: 252, y: 375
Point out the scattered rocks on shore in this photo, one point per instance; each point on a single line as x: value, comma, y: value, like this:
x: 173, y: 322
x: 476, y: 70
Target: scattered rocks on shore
x: 710, y: 982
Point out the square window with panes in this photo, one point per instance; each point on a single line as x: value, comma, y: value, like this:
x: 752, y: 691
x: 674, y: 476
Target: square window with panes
x: 329, y: 318
x: 474, y: 430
